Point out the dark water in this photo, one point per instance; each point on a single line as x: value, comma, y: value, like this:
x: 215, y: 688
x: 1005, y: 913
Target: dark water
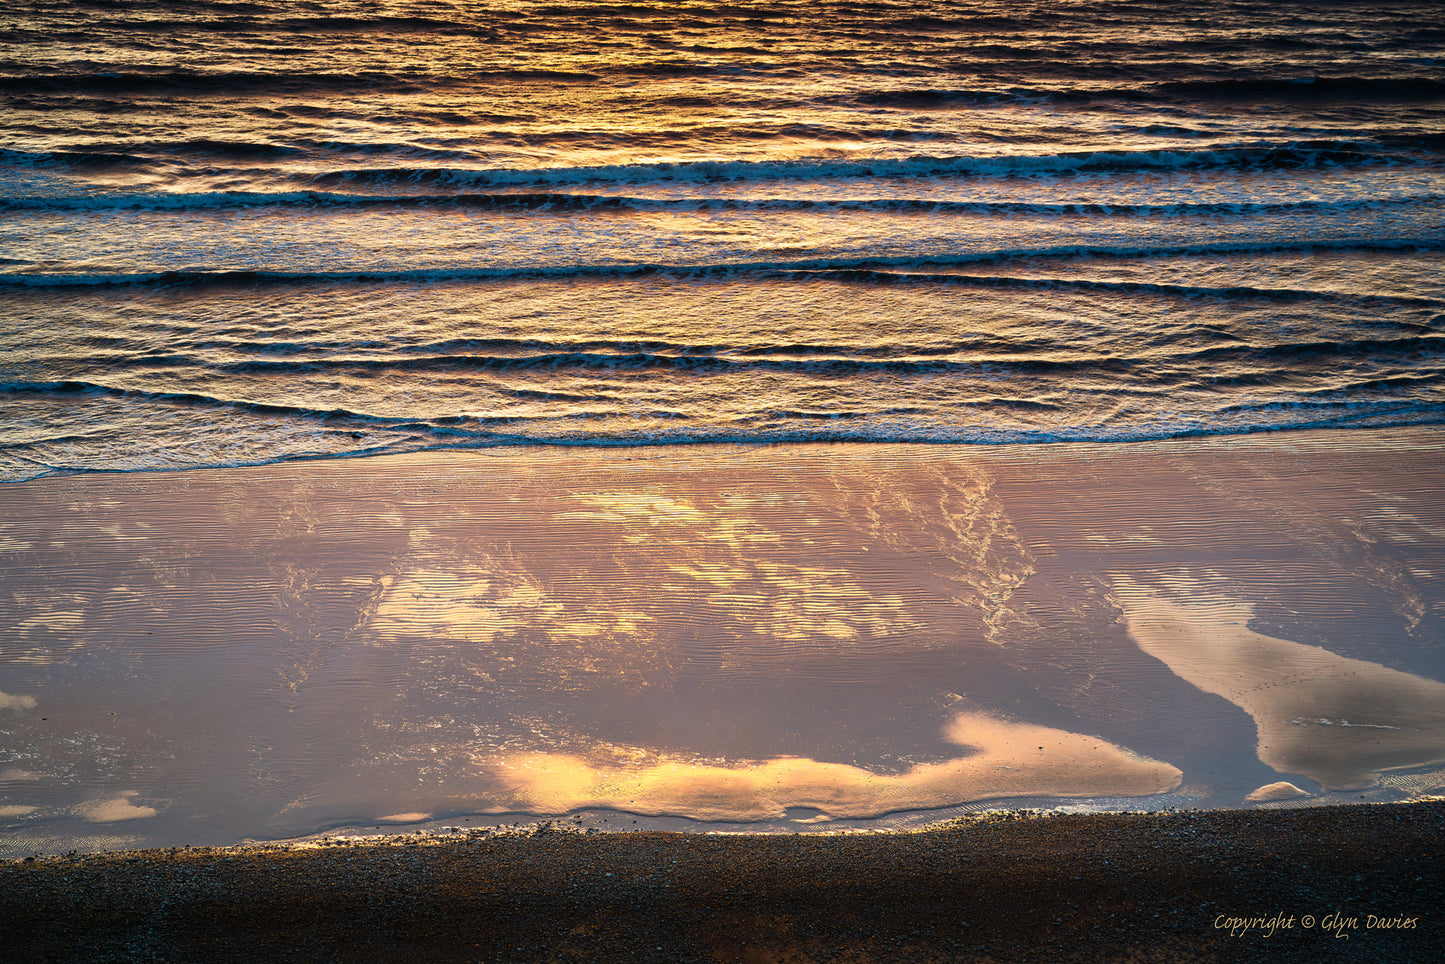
x: 244, y: 232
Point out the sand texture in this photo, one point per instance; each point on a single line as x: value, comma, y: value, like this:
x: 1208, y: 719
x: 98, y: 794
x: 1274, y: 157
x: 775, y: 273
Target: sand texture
x: 1102, y: 887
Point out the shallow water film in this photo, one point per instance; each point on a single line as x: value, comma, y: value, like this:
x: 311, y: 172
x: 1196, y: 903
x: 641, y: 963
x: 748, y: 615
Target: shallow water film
x: 719, y: 637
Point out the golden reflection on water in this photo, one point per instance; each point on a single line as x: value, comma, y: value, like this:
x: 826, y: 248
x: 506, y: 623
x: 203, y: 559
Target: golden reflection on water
x: 671, y: 557
x: 16, y: 701
x: 1339, y: 721
x: 115, y: 809
x: 1003, y: 759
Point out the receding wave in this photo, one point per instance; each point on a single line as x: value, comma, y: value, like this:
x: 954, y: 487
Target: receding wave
x: 378, y: 434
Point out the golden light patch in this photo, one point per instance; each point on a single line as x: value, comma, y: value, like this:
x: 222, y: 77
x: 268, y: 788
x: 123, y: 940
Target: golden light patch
x: 397, y: 818
x: 16, y: 702
x: 1006, y: 759
x: 463, y: 602
x: 1282, y: 790
x: 115, y: 809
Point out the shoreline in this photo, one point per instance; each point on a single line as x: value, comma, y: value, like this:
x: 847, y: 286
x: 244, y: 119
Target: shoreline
x: 1170, y: 886
x: 1298, y: 438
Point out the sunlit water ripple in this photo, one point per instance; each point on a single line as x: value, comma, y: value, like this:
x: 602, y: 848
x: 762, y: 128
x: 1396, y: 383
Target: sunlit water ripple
x: 238, y: 233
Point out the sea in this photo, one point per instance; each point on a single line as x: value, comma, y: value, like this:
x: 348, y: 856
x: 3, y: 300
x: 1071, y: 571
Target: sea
x: 237, y: 233
x: 785, y: 416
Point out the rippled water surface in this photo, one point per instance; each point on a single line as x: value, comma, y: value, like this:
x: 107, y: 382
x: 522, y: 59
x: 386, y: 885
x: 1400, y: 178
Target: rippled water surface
x: 242, y: 232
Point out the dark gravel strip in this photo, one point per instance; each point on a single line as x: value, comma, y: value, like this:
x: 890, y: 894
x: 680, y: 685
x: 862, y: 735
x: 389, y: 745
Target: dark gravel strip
x: 1102, y: 887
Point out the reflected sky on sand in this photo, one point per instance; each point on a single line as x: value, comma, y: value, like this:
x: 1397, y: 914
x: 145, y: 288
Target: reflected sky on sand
x: 1338, y: 721
x: 768, y: 638
x: 997, y: 759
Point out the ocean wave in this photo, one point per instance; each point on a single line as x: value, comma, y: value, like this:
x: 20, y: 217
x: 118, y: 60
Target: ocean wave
x: 603, y: 203
x: 234, y: 82
x: 355, y: 435
x: 1259, y: 156
x: 896, y: 276
x: 252, y: 19
x: 980, y: 357
x: 1304, y: 88
x: 153, y: 151
x: 69, y: 158
x: 989, y: 358
x: 819, y: 268
x: 111, y: 82
x: 83, y: 387
x: 1313, y: 351
x: 692, y: 363
x: 363, y: 24
x: 935, y: 98
x: 1395, y: 150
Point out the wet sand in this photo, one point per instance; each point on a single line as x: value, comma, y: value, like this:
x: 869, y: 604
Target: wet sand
x: 758, y: 639
x: 1353, y: 883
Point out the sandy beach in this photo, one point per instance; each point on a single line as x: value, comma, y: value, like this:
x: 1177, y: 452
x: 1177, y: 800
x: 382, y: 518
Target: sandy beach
x: 1355, y: 883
